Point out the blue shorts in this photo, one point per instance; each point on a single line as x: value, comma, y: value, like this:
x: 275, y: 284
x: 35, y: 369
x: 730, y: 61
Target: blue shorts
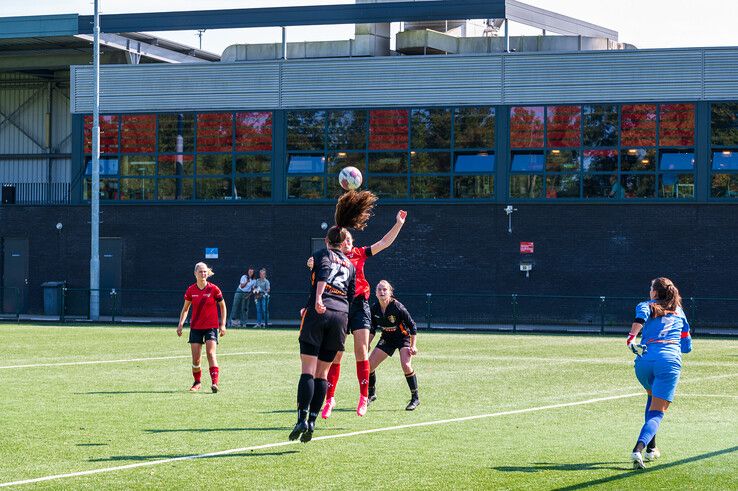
x: 659, y: 374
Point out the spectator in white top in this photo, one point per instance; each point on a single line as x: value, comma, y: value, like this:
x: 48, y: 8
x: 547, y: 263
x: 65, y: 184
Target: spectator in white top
x: 240, y: 307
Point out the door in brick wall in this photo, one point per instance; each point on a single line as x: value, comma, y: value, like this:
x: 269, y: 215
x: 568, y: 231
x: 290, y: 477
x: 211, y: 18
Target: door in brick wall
x: 15, y: 276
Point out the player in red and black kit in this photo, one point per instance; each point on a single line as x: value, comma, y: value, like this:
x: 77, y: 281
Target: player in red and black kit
x: 359, y: 316
x: 323, y: 328
x: 205, y: 298
x: 398, y: 333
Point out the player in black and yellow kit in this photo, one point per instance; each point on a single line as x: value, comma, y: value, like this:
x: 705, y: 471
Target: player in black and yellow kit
x: 398, y: 333
x: 325, y: 317
x: 323, y: 328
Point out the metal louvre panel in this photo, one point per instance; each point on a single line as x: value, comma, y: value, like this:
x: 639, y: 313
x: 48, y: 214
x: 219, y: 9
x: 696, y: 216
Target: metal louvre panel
x: 61, y: 123
x: 721, y: 74
x: 24, y: 170
x: 403, y: 81
x: 61, y: 170
x: 612, y: 76
x: 184, y: 87
x: 22, y: 123
x: 553, y: 78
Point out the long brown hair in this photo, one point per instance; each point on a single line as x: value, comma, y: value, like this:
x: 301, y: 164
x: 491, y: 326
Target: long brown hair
x: 667, y: 297
x: 354, y: 208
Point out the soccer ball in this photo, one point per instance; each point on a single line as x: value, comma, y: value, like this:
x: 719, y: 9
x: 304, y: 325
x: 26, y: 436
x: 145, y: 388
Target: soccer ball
x: 350, y: 178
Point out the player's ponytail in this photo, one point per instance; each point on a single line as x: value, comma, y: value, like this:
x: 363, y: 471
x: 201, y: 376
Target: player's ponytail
x: 354, y: 208
x: 667, y: 297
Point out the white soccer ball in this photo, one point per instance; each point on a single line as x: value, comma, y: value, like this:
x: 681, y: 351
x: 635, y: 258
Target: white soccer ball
x: 350, y: 178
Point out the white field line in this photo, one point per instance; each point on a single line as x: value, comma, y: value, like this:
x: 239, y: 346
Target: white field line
x: 540, y: 359
x: 326, y: 437
x: 128, y: 360
x: 343, y: 435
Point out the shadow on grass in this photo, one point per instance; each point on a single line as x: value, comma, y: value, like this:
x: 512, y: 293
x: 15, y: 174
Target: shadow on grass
x: 599, y: 465
x: 91, y: 444
x: 144, y: 458
x: 545, y: 466
x: 335, y: 410
x: 116, y: 392
x: 210, y: 430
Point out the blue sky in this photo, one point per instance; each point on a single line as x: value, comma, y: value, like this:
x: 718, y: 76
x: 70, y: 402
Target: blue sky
x: 644, y: 23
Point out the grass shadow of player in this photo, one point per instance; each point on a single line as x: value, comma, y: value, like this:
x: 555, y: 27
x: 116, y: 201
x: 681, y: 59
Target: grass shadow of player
x: 545, y: 466
x: 211, y: 430
x: 652, y: 468
x: 145, y: 458
x: 124, y: 392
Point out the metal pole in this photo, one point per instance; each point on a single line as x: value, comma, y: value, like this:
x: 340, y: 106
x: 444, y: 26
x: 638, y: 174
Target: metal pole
x: 428, y: 310
x: 284, y: 43
x: 95, y: 188
x: 507, y: 36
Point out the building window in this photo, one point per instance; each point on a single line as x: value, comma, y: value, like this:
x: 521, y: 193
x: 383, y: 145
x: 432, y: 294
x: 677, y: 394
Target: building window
x: 724, y: 161
x: 184, y: 156
x: 419, y: 154
x: 603, y: 151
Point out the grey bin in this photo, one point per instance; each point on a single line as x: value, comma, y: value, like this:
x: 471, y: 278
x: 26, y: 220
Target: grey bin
x: 52, y: 297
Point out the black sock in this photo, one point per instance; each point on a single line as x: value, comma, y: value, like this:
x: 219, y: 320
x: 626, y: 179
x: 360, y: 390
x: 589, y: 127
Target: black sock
x: 305, y: 390
x: 321, y: 387
x: 372, y: 384
x: 412, y: 382
x: 651, y: 445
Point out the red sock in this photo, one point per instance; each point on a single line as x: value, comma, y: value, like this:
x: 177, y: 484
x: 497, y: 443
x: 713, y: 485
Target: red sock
x: 197, y: 374
x: 333, y: 374
x: 214, y: 374
x: 362, y: 373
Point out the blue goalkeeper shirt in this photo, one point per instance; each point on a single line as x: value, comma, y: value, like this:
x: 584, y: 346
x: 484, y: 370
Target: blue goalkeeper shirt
x: 665, y: 332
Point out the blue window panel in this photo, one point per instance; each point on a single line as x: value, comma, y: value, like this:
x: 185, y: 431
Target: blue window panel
x: 306, y: 164
x: 475, y: 163
x: 725, y: 160
x: 677, y: 161
x: 527, y: 162
x: 108, y: 167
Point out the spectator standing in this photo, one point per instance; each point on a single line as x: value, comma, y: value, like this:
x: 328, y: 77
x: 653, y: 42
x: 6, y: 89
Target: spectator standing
x: 262, y: 291
x: 240, y: 306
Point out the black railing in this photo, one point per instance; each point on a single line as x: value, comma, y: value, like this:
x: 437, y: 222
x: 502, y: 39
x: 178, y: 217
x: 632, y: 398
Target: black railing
x: 35, y: 193
x: 473, y: 311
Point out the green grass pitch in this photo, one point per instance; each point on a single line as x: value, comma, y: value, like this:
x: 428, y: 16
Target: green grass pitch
x: 542, y: 412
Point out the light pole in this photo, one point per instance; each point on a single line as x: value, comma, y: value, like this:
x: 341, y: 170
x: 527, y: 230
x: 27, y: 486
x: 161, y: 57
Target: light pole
x: 95, y: 185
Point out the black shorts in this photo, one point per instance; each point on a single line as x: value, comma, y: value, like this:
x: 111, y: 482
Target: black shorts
x: 360, y: 315
x: 326, y: 332
x: 389, y: 344
x: 199, y: 336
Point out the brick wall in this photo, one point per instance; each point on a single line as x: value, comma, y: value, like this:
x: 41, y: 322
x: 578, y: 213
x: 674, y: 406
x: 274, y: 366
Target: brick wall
x: 580, y: 249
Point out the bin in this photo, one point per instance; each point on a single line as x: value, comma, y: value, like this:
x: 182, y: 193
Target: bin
x: 53, y: 296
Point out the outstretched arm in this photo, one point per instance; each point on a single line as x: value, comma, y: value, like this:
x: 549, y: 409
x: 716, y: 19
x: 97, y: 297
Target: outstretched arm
x: 390, y: 236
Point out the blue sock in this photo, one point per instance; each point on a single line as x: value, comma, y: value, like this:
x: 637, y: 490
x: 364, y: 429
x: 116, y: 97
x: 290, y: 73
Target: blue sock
x: 653, y: 420
x: 652, y: 443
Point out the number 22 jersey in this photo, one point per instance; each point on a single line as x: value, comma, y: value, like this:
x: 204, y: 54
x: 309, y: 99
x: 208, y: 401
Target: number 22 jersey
x: 333, y: 267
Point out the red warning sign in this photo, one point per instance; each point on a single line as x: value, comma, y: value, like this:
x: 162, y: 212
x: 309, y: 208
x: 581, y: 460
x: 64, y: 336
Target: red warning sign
x: 526, y: 248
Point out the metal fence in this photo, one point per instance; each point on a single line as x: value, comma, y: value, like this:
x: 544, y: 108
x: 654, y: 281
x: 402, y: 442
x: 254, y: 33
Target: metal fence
x: 477, y: 311
x: 35, y: 193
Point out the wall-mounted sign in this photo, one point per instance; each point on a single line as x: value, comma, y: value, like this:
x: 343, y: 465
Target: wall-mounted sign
x: 526, y: 248
x: 211, y: 253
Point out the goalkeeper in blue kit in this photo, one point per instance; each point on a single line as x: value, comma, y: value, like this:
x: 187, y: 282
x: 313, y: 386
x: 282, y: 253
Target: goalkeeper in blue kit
x: 658, y: 362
